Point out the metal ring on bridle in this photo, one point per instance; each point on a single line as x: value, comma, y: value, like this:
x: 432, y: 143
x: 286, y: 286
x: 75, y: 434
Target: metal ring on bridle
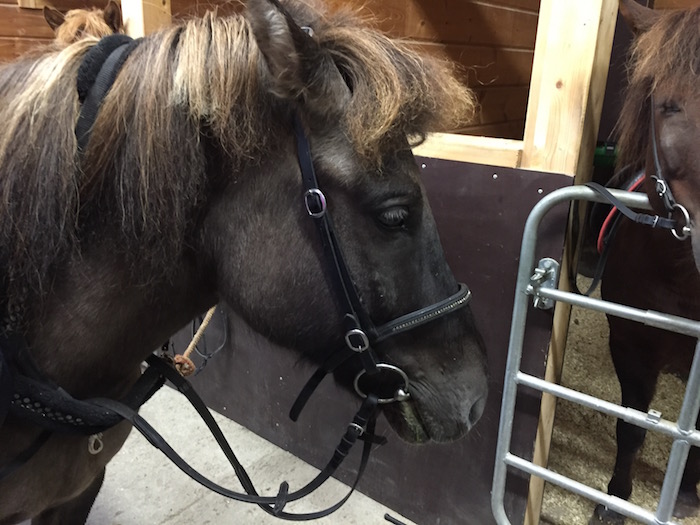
x: 401, y: 394
x: 685, y: 230
x: 318, y: 208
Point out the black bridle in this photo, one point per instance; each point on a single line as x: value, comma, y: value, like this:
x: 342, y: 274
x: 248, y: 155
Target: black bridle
x: 680, y: 231
x: 360, y: 332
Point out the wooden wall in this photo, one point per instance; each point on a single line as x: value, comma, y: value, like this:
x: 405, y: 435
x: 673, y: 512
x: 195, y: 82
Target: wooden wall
x: 23, y: 30
x: 675, y: 4
x: 493, y: 41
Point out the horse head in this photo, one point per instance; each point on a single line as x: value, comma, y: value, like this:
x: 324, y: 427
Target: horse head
x: 660, y: 117
x: 79, y: 23
x: 361, y: 99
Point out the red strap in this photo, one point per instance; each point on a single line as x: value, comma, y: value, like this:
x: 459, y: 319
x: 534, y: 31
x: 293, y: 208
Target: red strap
x: 608, y: 220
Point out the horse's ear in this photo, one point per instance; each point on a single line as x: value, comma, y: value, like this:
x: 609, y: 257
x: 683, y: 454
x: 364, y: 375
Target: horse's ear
x: 287, y: 48
x: 53, y: 17
x: 113, y: 16
x: 637, y: 17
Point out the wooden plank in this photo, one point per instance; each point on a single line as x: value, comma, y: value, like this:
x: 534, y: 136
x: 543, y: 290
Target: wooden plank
x: 485, y: 65
x: 24, y: 23
x: 12, y: 48
x: 675, y: 4
x: 457, y: 21
x: 465, y: 148
x: 451, y: 21
x: 526, y: 5
x: 572, y: 55
x: 145, y: 16
x: 61, y: 5
x: 501, y: 104
x: 512, y: 130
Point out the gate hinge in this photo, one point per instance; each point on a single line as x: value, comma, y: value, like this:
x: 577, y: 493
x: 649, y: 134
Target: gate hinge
x: 546, y: 275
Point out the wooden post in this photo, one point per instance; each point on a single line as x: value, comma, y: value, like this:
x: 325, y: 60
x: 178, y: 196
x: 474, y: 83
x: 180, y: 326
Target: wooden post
x: 145, y: 16
x: 572, y: 56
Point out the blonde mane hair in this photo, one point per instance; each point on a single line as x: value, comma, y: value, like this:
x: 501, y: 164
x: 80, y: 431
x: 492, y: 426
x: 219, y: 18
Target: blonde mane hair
x: 146, y: 169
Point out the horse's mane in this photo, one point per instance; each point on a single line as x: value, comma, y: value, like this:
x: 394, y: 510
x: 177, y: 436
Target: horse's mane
x: 669, y: 53
x: 145, y: 171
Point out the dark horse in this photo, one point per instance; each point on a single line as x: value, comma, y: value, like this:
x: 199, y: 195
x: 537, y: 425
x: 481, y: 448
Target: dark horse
x: 649, y: 268
x: 189, y: 192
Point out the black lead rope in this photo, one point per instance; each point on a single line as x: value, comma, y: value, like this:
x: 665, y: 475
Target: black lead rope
x: 655, y: 221
x: 362, y: 427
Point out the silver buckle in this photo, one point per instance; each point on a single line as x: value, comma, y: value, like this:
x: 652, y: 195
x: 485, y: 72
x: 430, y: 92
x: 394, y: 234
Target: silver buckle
x: 358, y: 336
x: 320, y: 199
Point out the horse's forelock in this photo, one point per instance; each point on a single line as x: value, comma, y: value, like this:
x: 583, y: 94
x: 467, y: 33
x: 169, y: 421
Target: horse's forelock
x: 79, y: 23
x: 395, y: 90
x: 667, y: 54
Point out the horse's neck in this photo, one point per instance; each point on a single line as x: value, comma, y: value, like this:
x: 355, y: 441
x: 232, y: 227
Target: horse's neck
x: 98, y: 325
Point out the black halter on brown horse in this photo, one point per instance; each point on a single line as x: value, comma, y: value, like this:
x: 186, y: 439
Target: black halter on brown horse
x: 652, y: 268
x: 196, y: 185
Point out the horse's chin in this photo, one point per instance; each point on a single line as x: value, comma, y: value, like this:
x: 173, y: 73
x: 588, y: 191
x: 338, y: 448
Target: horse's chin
x: 406, y: 422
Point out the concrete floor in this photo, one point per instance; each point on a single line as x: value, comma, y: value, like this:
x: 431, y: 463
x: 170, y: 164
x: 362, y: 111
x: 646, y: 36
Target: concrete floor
x: 143, y: 488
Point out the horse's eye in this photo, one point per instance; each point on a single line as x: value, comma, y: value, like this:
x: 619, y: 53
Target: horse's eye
x: 669, y: 107
x: 394, y: 217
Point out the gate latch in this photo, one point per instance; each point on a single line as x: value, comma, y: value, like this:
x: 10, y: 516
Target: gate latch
x: 546, y: 275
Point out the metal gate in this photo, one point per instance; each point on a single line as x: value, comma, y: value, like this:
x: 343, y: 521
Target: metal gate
x: 537, y: 283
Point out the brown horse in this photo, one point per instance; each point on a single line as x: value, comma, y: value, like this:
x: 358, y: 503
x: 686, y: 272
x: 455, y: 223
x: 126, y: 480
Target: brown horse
x: 649, y: 268
x: 79, y: 23
x: 188, y: 191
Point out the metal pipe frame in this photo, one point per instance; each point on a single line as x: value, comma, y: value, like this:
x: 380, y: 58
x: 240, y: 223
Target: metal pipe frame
x: 683, y: 431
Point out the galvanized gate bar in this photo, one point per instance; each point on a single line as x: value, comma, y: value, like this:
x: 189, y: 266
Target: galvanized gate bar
x: 683, y: 432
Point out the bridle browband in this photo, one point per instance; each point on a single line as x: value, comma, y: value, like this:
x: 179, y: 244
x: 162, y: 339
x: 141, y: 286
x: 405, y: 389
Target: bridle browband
x: 98, y: 71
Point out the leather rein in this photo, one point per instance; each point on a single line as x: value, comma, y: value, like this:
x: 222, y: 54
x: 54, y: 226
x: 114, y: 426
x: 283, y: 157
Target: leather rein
x: 40, y: 403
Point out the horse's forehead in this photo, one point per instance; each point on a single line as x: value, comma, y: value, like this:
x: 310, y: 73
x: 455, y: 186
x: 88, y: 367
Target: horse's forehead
x: 348, y: 167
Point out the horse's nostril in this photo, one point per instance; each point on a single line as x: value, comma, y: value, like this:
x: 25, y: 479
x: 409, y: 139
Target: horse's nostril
x: 476, y: 411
